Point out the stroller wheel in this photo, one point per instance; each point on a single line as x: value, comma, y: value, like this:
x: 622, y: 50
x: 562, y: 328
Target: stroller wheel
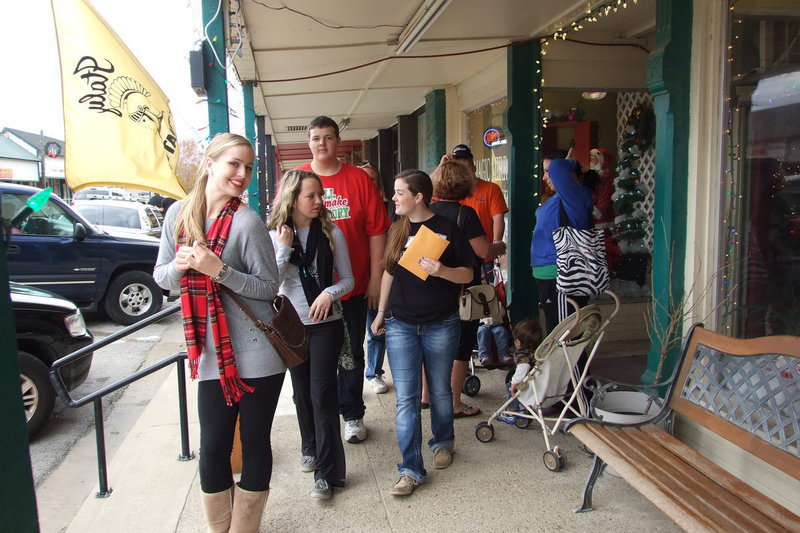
x: 472, y: 385
x: 522, y: 422
x: 553, y: 460
x: 484, y: 432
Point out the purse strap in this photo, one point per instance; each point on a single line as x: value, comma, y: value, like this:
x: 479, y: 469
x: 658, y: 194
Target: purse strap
x: 563, y: 220
x: 246, y: 308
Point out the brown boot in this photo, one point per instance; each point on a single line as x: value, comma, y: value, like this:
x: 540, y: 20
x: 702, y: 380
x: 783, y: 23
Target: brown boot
x: 247, y: 508
x: 217, y: 508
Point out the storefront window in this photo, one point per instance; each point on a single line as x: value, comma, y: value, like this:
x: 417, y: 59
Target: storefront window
x: 488, y: 142
x: 760, y: 252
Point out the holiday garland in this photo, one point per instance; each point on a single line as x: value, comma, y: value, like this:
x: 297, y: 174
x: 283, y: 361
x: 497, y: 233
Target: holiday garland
x: 637, y: 138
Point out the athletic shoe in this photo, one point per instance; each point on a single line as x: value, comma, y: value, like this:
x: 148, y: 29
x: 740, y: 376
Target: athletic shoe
x: 355, y: 431
x: 321, y: 490
x: 508, y: 419
x: 308, y: 463
x: 378, y: 385
x: 404, y: 486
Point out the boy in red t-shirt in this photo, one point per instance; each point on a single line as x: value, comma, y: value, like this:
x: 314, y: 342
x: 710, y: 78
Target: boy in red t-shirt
x: 359, y: 212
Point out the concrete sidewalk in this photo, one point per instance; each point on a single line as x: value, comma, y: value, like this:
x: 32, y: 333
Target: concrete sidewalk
x: 498, y: 486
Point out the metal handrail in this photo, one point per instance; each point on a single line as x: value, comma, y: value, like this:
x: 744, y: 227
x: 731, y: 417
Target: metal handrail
x: 97, y: 397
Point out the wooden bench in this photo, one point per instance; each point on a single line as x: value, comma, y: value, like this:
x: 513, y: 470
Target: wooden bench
x: 747, y: 392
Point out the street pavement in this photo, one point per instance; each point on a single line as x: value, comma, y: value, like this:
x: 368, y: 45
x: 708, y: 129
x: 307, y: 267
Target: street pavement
x: 497, y: 486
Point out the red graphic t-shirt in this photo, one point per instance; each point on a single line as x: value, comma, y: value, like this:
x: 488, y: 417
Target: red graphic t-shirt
x: 358, y: 210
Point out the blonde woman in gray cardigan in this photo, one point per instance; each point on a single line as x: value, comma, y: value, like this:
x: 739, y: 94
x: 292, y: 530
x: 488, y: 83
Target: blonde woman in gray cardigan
x: 212, y: 240
x: 314, y: 270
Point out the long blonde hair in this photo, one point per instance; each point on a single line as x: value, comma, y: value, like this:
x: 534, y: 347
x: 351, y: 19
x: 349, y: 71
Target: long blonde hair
x: 191, y: 221
x: 288, y: 191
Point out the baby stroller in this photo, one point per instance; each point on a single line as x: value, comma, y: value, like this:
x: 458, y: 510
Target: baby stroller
x: 546, y: 384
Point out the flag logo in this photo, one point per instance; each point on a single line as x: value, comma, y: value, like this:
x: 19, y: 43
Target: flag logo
x: 118, y: 125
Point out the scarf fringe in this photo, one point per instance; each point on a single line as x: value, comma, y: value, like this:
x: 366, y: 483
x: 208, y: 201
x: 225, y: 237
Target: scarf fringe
x: 194, y: 364
x: 233, y: 388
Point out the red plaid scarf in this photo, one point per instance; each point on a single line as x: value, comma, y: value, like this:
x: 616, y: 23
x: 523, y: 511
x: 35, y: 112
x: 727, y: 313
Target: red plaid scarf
x: 200, y: 295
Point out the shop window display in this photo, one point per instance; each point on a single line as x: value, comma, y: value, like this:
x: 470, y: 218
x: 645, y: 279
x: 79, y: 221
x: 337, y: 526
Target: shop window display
x: 761, y: 196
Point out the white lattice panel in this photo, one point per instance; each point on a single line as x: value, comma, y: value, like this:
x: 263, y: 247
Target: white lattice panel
x: 647, y: 164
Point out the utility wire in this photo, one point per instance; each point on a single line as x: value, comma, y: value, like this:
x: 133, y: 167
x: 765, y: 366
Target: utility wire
x: 452, y: 54
x: 327, y: 24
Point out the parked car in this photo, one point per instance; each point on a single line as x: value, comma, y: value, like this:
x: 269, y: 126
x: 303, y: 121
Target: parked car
x: 121, y: 218
x: 103, y: 193
x: 48, y: 328
x: 59, y: 250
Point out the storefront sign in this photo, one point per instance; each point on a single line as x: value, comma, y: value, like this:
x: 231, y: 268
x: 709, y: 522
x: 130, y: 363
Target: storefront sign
x: 493, y: 137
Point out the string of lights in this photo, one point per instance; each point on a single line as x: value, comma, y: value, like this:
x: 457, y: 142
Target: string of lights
x: 733, y: 196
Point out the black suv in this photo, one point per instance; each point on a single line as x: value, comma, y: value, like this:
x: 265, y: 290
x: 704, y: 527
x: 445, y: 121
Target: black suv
x: 58, y: 250
x: 48, y: 328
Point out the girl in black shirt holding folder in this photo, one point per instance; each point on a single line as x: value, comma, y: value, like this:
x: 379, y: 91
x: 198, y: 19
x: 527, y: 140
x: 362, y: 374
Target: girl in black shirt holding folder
x: 420, y: 318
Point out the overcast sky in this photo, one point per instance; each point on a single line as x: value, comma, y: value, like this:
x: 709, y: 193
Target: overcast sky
x: 160, y: 34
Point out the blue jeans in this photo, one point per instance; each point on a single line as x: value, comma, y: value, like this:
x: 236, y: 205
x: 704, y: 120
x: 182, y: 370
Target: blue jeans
x: 376, y: 347
x: 502, y: 339
x: 408, y: 347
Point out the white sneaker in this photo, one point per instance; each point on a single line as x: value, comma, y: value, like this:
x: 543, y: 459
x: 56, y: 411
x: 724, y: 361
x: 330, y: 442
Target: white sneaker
x: 355, y: 431
x: 378, y: 385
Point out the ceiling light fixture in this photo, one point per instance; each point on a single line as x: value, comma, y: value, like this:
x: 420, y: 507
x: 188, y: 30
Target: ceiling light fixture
x: 596, y: 95
x: 420, y: 23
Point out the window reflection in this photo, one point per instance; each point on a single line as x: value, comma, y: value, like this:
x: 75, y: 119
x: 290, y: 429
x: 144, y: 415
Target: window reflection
x: 761, y: 200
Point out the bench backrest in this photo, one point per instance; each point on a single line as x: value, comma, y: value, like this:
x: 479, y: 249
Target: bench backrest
x: 745, y: 390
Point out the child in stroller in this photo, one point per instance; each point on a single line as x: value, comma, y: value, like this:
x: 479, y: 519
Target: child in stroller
x: 553, y: 368
x: 526, y: 335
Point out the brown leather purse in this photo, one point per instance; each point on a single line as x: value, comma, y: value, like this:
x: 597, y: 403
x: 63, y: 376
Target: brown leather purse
x: 285, y: 330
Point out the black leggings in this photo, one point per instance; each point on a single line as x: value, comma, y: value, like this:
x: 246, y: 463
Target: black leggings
x: 217, y: 424
x: 556, y: 307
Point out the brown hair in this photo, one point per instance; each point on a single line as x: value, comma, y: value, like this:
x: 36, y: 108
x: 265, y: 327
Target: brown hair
x: 323, y: 122
x: 529, y: 334
x: 375, y: 179
x: 418, y: 183
x: 452, y: 182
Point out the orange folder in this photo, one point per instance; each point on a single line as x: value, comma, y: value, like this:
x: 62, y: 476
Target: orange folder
x: 425, y: 243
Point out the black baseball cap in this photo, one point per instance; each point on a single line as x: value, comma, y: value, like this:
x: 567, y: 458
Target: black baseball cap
x: 462, y: 151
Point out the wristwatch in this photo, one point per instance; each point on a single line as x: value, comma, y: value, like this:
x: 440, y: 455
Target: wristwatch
x: 221, y: 274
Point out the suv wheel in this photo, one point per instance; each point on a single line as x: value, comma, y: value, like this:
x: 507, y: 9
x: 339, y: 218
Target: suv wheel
x: 131, y: 297
x: 38, y: 396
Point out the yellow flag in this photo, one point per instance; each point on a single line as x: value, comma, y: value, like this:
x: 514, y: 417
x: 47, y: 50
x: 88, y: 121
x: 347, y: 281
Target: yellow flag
x: 118, y: 126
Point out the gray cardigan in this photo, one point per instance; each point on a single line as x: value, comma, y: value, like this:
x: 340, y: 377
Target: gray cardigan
x: 290, y: 278
x: 252, y: 274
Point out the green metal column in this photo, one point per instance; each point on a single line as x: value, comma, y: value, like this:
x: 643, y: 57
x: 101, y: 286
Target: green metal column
x: 668, y: 80
x: 214, y: 68
x: 250, y: 133
x: 16, y: 488
x: 523, y: 121
x: 435, y: 128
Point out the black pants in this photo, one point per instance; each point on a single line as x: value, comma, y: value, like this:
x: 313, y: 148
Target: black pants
x: 467, y: 338
x: 217, y: 424
x: 556, y: 307
x: 351, y: 382
x: 316, y: 399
